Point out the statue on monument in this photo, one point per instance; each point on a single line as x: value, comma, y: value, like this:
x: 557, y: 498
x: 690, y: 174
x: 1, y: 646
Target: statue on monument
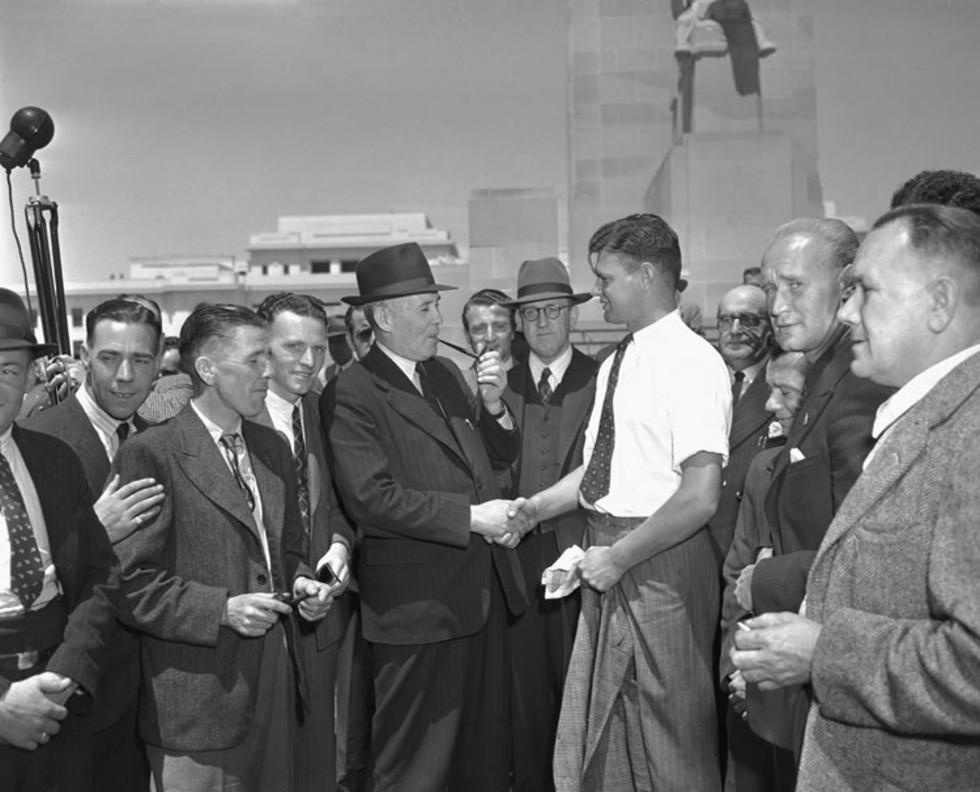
x: 714, y: 28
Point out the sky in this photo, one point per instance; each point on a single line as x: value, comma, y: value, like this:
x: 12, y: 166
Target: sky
x: 183, y: 126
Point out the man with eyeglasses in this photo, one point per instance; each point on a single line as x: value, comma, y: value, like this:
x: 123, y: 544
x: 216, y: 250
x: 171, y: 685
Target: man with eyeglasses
x: 832, y: 434
x: 744, y: 340
x: 550, y: 394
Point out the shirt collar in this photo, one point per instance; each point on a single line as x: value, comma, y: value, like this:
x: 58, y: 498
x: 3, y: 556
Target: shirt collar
x: 6, y: 439
x: 655, y: 332
x: 557, y: 367
x: 751, y: 372
x: 99, y: 417
x: 280, y: 406
x: 915, y: 390
x: 214, y: 430
x: 406, y: 366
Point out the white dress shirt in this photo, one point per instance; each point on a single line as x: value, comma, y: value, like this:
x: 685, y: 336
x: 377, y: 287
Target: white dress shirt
x: 910, y: 394
x: 104, y: 424
x: 10, y: 604
x: 673, y: 399
x: 556, y: 368
x: 281, y: 412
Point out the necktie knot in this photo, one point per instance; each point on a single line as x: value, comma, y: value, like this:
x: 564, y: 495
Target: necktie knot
x: 737, y: 379
x: 122, y: 431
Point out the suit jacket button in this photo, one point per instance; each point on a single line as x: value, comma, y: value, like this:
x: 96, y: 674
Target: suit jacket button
x: 261, y: 579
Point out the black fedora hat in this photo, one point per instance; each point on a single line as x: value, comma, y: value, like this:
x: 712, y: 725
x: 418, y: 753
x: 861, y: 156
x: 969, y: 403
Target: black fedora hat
x: 545, y: 279
x: 396, y: 271
x: 16, y: 331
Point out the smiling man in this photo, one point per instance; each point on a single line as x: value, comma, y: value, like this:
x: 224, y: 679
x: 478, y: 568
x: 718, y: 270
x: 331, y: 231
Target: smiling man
x: 889, y: 638
x: 121, y: 355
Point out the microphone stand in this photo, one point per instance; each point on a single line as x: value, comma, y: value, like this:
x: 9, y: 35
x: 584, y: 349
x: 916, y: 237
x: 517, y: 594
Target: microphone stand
x: 46, y: 257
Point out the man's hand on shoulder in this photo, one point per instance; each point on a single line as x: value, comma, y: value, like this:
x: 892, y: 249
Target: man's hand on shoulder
x: 31, y: 710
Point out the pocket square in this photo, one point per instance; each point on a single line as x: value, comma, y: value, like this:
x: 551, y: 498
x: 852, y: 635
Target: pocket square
x: 795, y: 455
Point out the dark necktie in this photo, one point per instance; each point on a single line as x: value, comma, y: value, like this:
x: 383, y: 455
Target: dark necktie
x: 122, y: 432
x: 300, y: 462
x: 234, y: 448
x: 544, y: 386
x: 737, y: 386
x: 595, y: 482
x: 26, y: 569
x: 428, y: 392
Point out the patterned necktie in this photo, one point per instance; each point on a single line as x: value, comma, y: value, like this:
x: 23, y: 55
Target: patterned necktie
x: 300, y: 463
x: 26, y: 569
x: 544, y: 386
x: 234, y: 449
x: 595, y: 482
x: 737, y: 385
x: 428, y: 392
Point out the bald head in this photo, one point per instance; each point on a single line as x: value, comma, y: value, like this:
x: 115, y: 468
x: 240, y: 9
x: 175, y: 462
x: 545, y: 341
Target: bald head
x: 744, y: 334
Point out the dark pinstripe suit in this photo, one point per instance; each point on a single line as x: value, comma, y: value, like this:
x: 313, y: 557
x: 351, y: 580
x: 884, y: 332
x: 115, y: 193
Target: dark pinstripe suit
x: 430, y: 589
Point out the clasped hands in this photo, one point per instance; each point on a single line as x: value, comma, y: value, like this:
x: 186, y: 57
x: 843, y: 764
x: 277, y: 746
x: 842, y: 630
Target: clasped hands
x: 502, y: 521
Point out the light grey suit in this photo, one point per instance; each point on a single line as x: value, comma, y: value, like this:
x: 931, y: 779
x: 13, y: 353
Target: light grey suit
x: 896, y: 586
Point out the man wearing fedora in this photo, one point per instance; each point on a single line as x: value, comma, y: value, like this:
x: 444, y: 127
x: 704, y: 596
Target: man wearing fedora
x: 550, y: 394
x: 58, y: 587
x: 415, y: 467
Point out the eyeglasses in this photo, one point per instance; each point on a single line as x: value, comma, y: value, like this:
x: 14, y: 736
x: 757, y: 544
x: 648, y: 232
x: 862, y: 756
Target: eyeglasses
x: 531, y: 313
x: 748, y: 321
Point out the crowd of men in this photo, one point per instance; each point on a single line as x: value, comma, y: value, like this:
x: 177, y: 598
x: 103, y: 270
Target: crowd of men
x: 761, y: 556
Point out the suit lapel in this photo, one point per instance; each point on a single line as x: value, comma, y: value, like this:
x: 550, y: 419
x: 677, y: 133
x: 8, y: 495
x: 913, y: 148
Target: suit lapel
x: 46, y: 481
x: 404, y: 399
x: 205, y: 466
x: 749, y: 415
x: 575, y: 405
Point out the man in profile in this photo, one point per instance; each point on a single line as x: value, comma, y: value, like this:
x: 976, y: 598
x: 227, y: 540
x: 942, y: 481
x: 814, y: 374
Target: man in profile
x: 415, y: 468
x: 209, y: 580
x: 889, y: 639
x: 639, y: 706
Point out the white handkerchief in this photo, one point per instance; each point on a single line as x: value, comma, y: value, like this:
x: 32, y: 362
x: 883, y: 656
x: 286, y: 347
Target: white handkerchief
x: 561, y: 578
x: 795, y: 455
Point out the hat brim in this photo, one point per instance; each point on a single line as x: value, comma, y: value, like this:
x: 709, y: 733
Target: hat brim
x: 35, y: 349
x: 580, y: 297
x: 357, y: 299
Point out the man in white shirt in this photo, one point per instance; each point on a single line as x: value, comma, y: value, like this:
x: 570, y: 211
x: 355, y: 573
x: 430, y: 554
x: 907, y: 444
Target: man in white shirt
x: 888, y: 641
x: 639, y: 703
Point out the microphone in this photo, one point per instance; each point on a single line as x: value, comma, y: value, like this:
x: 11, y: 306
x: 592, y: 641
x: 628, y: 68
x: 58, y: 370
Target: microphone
x: 31, y: 128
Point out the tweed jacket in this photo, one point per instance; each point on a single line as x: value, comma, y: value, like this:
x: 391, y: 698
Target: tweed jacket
x: 407, y: 477
x: 86, y: 567
x: 577, y: 392
x: 200, y: 678
x: 896, y: 673
x: 821, y: 460
x: 750, y: 426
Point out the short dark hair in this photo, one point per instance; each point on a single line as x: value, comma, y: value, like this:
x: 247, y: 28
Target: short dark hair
x: 171, y: 342
x: 599, y: 238
x: 349, y: 316
x: 123, y: 310
x: 146, y: 302
x: 490, y: 297
x: 839, y: 236
x: 750, y: 272
x: 946, y: 187
x: 299, y: 304
x: 643, y: 237
x: 939, y: 231
x: 206, y: 322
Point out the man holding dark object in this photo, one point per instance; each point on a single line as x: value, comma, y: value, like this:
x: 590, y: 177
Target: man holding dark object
x: 221, y: 676
x: 413, y: 463
x: 121, y: 355
x: 297, y: 327
x: 888, y: 640
x: 58, y: 588
x: 550, y: 394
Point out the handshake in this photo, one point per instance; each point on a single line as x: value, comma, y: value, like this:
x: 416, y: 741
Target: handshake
x: 502, y: 521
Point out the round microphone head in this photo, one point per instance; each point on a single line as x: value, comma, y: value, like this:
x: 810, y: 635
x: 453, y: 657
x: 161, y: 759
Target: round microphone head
x: 31, y: 128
